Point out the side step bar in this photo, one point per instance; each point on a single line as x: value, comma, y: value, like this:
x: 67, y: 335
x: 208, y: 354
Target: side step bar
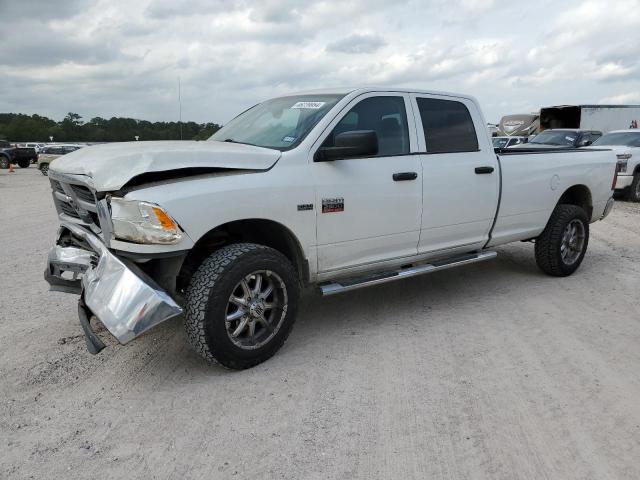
x: 412, y: 271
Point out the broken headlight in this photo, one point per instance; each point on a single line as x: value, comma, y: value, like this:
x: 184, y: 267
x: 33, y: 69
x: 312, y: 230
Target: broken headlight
x: 143, y: 222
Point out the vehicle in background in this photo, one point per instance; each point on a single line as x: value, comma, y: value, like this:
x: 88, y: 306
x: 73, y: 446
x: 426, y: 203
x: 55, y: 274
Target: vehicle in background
x: 506, y: 142
x: 49, y: 153
x: 493, y: 129
x: 340, y: 189
x: 34, y: 145
x: 626, y: 144
x: 15, y: 155
x: 561, y: 139
x: 604, y: 118
x: 521, y: 125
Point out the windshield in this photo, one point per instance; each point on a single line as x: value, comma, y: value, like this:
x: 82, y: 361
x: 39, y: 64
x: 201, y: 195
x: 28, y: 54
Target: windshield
x: 627, y: 139
x: 280, y: 123
x: 555, y: 137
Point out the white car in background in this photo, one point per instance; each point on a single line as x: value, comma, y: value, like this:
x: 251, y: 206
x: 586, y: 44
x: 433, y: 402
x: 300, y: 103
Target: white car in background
x: 626, y: 144
x: 506, y: 142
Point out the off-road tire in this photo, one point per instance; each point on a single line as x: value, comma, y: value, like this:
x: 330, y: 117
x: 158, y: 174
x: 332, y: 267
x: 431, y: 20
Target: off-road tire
x: 44, y: 168
x: 547, y: 249
x: 24, y: 163
x: 4, y: 162
x: 634, y: 189
x: 208, y: 294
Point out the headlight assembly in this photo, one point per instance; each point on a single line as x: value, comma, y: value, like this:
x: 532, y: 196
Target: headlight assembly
x: 143, y: 222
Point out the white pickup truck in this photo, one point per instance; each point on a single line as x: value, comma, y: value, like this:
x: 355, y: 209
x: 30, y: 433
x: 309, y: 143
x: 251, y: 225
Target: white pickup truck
x: 338, y: 189
x: 626, y: 145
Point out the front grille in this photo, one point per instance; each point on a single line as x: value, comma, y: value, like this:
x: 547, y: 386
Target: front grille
x: 83, y: 193
x: 55, y: 185
x: 67, y: 209
x: 77, y: 202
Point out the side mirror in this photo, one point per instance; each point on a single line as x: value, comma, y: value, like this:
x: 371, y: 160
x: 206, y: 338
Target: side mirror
x: 356, y: 143
x: 584, y: 142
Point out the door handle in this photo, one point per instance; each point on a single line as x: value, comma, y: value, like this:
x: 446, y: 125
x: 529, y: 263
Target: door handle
x: 483, y: 170
x: 403, y: 176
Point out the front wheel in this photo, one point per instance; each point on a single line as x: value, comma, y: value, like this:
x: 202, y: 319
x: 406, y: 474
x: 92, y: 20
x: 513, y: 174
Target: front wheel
x: 562, y: 245
x: 4, y: 162
x: 44, y: 168
x: 241, y: 304
x: 24, y: 163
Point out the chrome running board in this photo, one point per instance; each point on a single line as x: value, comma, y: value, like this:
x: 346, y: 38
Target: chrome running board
x: 412, y: 271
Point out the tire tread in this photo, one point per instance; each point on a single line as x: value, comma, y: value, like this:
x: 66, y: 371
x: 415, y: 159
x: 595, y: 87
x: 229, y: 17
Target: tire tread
x: 201, y: 292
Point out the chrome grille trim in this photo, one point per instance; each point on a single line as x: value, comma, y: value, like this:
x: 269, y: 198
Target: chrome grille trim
x: 77, y: 203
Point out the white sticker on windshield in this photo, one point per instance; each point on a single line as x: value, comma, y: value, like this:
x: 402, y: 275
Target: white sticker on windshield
x: 569, y: 139
x: 288, y: 139
x: 311, y: 105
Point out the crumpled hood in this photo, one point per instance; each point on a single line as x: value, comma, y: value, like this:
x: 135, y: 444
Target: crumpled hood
x: 111, y: 166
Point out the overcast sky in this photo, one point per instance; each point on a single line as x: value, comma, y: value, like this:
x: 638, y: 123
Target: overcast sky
x: 123, y: 57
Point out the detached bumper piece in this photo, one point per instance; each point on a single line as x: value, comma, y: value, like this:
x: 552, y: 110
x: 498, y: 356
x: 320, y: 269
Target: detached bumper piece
x: 122, y: 297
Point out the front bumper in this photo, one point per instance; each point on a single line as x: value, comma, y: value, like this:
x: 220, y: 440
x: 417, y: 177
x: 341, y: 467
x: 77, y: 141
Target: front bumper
x: 122, y: 297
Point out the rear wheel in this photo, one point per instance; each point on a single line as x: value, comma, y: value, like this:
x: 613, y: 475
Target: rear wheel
x: 562, y: 245
x: 4, y: 162
x: 44, y: 168
x: 634, y: 190
x: 241, y: 305
x: 24, y: 163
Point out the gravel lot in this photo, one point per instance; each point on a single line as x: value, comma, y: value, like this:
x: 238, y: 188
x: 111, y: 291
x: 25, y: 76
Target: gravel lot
x: 493, y: 371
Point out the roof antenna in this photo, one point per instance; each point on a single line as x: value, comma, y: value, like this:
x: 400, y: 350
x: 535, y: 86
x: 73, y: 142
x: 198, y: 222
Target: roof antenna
x: 180, y: 106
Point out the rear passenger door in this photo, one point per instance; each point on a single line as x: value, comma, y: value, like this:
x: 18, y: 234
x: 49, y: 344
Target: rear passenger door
x: 461, y: 177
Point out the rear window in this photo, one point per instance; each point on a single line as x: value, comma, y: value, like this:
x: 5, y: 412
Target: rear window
x: 447, y: 125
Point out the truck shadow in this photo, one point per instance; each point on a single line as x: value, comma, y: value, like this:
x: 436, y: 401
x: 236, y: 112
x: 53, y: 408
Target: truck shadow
x: 361, y: 312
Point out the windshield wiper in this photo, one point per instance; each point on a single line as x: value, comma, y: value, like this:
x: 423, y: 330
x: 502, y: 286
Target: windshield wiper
x: 231, y: 140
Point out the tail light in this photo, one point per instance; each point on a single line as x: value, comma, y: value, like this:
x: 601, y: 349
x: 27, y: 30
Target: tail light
x: 623, y: 160
x: 615, y: 176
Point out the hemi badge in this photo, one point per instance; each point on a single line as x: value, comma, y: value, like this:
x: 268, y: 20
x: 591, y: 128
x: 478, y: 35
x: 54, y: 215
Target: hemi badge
x: 305, y: 206
x: 331, y: 205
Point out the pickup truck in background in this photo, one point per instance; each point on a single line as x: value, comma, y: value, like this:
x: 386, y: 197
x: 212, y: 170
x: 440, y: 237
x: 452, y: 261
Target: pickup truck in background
x: 23, y: 157
x: 561, y: 138
x: 626, y: 145
x: 338, y: 189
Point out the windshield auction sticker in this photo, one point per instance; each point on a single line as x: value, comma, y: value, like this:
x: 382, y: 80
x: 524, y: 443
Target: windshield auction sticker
x: 311, y: 105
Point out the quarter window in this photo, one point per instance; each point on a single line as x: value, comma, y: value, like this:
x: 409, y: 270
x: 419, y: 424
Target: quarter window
x: 386, y: 116
x: 447, y: 125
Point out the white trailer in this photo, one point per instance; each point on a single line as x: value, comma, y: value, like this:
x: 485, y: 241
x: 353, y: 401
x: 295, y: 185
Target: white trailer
x: 604, y: 118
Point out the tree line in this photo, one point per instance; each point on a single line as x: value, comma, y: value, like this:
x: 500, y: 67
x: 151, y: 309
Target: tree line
x: 18, y: 127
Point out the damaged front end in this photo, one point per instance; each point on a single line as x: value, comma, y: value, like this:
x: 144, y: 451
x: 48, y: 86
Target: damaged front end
x: 126, y: 300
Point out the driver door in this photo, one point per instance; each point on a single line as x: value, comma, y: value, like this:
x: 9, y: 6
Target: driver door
x: 369, y: 208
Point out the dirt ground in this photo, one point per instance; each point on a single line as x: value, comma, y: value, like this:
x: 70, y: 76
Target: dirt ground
x: 492, y: 371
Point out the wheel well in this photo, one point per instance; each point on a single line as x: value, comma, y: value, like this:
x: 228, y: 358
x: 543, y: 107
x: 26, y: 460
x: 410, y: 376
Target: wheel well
x: 580, y: 196
x: 263, y: 232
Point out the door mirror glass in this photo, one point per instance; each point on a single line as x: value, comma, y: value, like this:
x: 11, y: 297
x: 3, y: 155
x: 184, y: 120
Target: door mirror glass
x: 355, y: 143
x: 585, y: 142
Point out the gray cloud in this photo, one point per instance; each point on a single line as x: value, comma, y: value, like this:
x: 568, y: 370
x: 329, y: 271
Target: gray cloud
x: 117, y: 57
x: 357, y: 43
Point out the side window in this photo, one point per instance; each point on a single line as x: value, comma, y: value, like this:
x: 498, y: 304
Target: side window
x: 447, y: 125
x: 386, y: 116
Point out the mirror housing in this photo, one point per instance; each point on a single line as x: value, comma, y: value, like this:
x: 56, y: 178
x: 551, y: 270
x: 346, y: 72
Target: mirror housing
x: 585, y: 142
x: 356, y: 143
